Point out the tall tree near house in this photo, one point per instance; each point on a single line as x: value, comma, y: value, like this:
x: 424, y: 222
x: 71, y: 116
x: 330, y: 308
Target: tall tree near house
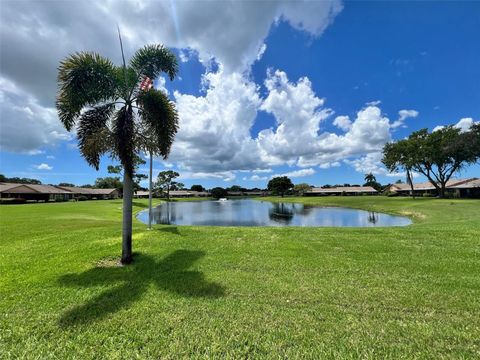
x: 400, y: 155
x: 165, y: 181
x: 116, y: 111
x: 280, y: 185
x: 437, y: 155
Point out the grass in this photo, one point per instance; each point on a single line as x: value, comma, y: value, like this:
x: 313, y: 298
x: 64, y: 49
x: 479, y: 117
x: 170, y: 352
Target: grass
x: 212, y: 292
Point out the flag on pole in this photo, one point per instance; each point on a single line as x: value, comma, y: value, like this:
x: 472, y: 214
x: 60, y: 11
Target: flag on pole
x: 146, y: 84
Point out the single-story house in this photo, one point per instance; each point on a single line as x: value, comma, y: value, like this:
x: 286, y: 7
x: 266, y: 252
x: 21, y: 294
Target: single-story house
x: 187, y: 193
x: 91, y: 193
x: 458, y: 187
x: 341, y: 190
x: 141, y: 194
x: 33, y: 192
x: 247, y: 193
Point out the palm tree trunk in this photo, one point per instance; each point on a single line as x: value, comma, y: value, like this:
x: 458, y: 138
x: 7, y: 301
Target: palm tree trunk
x: 127, y: 218
x: 150, y: 194
x: 410, y: 181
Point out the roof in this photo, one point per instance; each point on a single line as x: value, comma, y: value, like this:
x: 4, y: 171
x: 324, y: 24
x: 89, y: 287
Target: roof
x: 340, y: 189
x: 41, y: 189
x: 87, y: 191
x: 142, y: 193
x: 50, y: 189
x: 470, y: 183
x: 427, y: 185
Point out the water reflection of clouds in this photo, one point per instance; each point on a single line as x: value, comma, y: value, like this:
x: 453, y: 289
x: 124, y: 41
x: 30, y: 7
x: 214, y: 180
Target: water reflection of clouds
x: 248, y: 212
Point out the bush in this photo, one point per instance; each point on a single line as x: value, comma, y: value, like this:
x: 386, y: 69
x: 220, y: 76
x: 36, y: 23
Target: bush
x: 82, y: 198
x: 427, y: 195
x: 13, y: 201
x: 392, y: 194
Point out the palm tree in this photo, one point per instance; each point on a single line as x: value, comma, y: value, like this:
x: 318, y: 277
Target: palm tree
x: 370, y: 178
x: 114, y: 115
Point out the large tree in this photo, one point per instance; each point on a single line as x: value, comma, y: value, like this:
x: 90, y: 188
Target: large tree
x: 280, y: 185
x: 437, y: 155
x: 371, y: 180
x: 114, y: 113
x: 302, y: 188
x: 166, y: 181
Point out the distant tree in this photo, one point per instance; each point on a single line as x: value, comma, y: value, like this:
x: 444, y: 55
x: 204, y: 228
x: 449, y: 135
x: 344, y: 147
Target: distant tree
x: 371, y: 180
x: 137, y: 177
x: 17, y: 180
x: 280, y: 185
x: 437, y: 155
x: 66, y: 184
x: 165, y: 181
x: 88, y: 186
x: 219, y: 192
x: 177, y: 186
x: 302, y: 188
x: 399, y: 181
x: 109, y: 183
x: 234, y: 188
x: 198, y: 188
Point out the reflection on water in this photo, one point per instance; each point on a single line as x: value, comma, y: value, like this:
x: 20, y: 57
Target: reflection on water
x: 248, y: 212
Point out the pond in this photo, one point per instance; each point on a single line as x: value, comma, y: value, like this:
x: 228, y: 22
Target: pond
x: 246, y: 212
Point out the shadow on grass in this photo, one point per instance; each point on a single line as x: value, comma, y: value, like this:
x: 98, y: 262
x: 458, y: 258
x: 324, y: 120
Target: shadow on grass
x: 169, y: 229
x: 140, y: 204
x: 127, y: 284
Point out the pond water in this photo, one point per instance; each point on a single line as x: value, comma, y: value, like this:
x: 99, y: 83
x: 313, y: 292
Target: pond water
x: 246, y: 212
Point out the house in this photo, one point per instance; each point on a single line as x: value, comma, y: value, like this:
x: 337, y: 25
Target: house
x: 53, y: 193
x: 187, y: 193
x: 456, y: 187
x: 141, y: 194
x: 342, y: 190
x: 33, y: 192
x: 90, y: 193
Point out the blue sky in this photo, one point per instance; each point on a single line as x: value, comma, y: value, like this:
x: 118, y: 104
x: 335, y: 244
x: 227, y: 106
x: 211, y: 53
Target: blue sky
x: 365, y: 60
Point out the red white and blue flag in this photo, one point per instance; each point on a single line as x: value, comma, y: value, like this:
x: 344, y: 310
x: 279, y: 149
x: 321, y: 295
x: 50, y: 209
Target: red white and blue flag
x: 146, y: 84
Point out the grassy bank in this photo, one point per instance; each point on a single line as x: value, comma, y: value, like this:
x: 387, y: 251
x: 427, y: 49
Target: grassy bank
x: 409, y: 292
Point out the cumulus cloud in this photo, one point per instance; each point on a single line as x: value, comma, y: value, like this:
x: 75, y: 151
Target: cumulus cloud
x: 232, y: 33
x: 258, y: 178
x: 297, y: 173
x: 463, y: 124
x: 26, y: 125
x: 404, y: 115
x: 43, y: 166
x: 343, y: 122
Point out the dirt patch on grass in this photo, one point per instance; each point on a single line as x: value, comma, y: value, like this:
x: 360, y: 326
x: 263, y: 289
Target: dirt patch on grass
x: 109, y: 261
x: 414, y: 214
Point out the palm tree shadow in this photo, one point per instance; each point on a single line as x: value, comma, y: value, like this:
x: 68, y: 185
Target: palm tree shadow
x: 125, y: 285
x: 169, y: 229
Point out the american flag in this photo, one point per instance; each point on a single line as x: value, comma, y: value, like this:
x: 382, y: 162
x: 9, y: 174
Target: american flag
x: 146, y: 84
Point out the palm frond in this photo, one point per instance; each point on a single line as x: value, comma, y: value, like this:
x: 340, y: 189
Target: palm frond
x: 93, y: 133
x: 123, y: 133
x: 161, y: 119
x: 151, y: 60
x: 84, y: 79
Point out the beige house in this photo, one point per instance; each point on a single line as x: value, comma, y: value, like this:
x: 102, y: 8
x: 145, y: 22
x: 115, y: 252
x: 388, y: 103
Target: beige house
x: 51, y: 193
x: 457, y: 187
x: 342, y: 190
x: 33, y: 192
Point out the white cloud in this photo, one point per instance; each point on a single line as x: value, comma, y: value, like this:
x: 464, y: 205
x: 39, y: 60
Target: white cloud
x: 214, y: 132
x: 297, y: 173
x: 374, y: 103
x: 343, y: 122
x: 329, y: 165
x: 258, y: 178
x: 43, y: 166
x: 403, y: 115
x: 26, y: 126
x: 463, y: 124
x: 261, y: 51
x: 160, y: 84
x: 51, y: 157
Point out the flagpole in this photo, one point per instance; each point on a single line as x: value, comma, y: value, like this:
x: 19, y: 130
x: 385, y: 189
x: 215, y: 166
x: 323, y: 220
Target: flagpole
x: 150, y: 194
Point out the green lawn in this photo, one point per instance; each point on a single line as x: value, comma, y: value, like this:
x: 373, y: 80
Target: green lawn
x: 410, y: 292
